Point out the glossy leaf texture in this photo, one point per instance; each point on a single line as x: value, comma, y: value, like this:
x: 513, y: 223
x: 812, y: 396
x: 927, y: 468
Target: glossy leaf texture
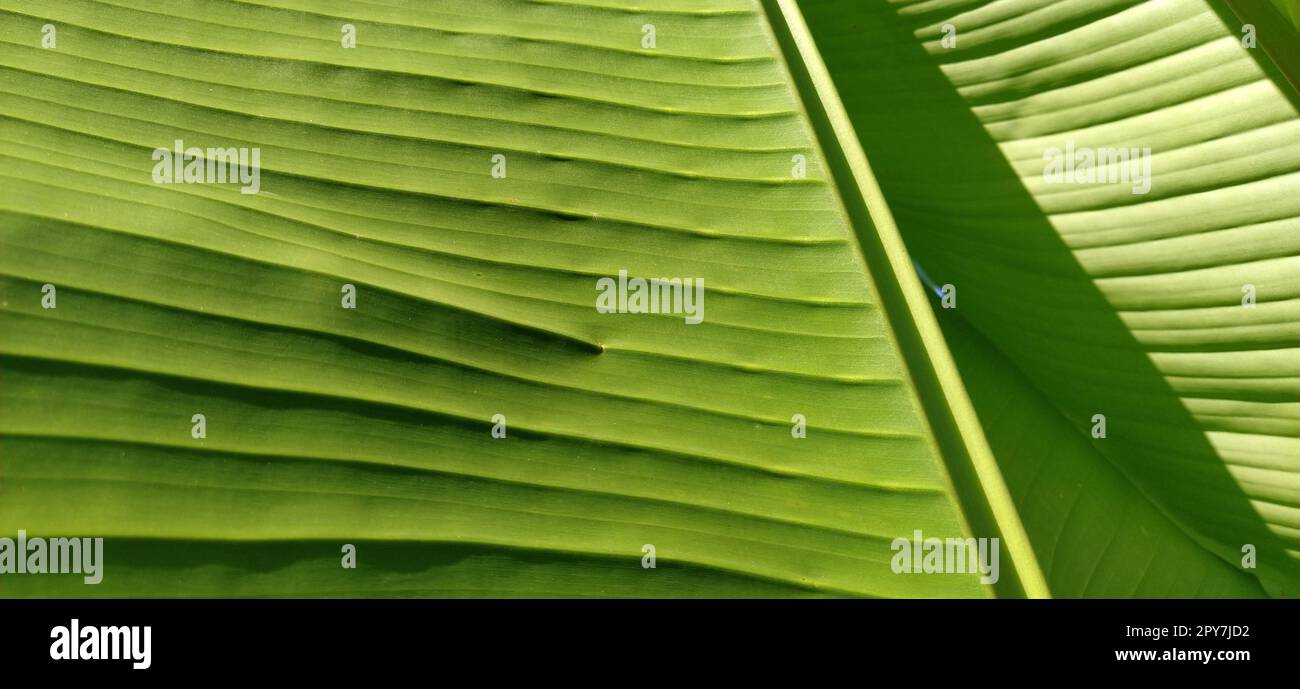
x: 1173, y: 311
x: 475, y: 298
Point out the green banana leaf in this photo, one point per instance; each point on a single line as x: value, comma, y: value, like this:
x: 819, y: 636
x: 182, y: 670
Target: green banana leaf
x: 1290, y: 9
x: 476, y: 427
x: 1083, y: 300
x: 475, y: 301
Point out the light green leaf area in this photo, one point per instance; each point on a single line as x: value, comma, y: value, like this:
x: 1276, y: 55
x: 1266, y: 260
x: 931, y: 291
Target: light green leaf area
x: 1077, y: 299
x: 475, y: 297
x: 1099, y: 536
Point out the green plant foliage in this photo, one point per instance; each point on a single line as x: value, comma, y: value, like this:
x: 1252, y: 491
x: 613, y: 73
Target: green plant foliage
x: 467, y: 172
x: 474, y: 298
x: 1087, y: 300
